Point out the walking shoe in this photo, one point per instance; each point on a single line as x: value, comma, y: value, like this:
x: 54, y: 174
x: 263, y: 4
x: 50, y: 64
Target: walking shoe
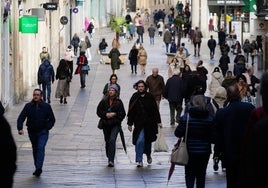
x: 149, y: 160
x: 110, y: 164
x: 37, y: 172
x: 139, y: 164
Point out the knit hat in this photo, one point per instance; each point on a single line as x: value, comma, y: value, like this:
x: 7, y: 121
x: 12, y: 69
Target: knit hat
x: 114, y: 86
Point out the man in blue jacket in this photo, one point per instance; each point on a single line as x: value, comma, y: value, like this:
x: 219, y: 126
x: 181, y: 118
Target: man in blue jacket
x: 40, y: 119
x: 46, y: 75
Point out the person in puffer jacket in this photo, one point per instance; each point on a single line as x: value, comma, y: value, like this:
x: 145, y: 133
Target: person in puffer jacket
x: 199, y: 139
x: 216, y: 81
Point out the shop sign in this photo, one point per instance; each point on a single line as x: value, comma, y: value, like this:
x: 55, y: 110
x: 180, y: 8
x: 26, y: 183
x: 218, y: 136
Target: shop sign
x: 228, y: 2
x: 50, y: 6
x: 28, y: 24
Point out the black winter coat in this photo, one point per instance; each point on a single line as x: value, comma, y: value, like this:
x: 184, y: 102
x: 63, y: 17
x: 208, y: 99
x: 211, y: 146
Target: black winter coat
x: 117, y: 107
x: 231, y: 123
x: 174, y: 89
x: 133, y: 56
x: 144, y: 114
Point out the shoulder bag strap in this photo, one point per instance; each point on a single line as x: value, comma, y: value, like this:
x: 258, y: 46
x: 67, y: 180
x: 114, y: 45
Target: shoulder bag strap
x: 186, y: 130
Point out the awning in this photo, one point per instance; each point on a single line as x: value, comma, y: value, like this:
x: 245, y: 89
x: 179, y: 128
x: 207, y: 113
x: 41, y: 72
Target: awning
x: 228, y: 2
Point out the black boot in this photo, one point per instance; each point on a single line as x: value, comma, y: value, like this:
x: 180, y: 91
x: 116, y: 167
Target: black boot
x: 61, y: 99
x: 65, y: 101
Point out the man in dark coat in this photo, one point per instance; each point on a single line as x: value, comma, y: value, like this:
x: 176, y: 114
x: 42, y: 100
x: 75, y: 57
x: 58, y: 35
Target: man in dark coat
x: 151, y: 32
x: 144, y: 115
x: 140, y: 31
x: 231, y: 123
x: 212, y: 45
x: 40, y: 119
x: 174, y: 92
x: 46, y: 75
x: 221, y: 36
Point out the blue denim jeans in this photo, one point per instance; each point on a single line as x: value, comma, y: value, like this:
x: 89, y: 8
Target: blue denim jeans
x: 46, y: 89
x: 110, y: 136
x: 83, y: 79
x: 151, y: 40
x: 39, y: 141
x: 167, y: 47
x: 140, y: 37
x: 142, y: 147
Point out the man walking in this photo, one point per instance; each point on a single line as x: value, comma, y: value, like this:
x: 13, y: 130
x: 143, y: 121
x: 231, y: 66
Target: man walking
x: 212, y: 45
x: 140, y: 31
x: 151, y: 31
x: 174, y: 94
x: 167, y: 39
x: 40, y: 119
x: 231, y: 123
x: 197, y: 36
x: 156, y: 85
x: 46, y: 75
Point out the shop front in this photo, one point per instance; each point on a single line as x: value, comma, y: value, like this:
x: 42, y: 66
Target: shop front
x: 232, y: 9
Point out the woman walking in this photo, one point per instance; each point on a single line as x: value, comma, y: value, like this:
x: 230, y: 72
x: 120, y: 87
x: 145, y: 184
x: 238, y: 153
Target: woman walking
x: 64, y: 76
x: 143, y: 113
x: 142, y: 59
x: 199, y: 136
x: 133, y: 58
x: 82, y: 68
x: 111, y: 111
x: 115, y: 61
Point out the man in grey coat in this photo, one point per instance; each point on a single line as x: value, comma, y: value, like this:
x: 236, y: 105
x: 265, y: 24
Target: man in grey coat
x: 151, y: 31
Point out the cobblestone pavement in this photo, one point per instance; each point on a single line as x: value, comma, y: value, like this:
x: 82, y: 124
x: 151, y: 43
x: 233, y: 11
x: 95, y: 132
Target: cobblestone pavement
x: 75, y: 154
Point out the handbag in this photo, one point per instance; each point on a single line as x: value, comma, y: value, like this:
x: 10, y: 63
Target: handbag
x: 179, y: 154
x: 160, y: 144
x: 85, y: 68
x: 100, y: 124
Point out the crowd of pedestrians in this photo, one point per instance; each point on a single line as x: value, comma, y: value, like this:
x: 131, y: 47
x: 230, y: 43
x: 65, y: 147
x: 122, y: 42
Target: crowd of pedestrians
x: 231, y: 94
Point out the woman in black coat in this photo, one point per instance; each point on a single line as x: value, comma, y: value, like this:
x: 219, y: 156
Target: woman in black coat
x: 111, y: 111
x: 143, y: 113
x: 133, y: 58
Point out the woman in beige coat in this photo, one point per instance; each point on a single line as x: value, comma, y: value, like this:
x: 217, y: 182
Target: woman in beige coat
x: 142, y: 59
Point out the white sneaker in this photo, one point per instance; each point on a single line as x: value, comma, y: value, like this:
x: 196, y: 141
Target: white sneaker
x: 139, y: 164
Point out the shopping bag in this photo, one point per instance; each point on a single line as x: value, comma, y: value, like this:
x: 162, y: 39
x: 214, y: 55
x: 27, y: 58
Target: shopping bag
x: 160, y: 144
